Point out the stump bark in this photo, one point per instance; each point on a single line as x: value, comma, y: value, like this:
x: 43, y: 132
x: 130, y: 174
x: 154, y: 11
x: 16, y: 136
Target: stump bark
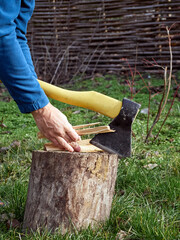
x: 69, y: 190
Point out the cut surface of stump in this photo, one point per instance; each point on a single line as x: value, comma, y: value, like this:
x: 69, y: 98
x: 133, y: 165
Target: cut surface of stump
x: 69, y: 190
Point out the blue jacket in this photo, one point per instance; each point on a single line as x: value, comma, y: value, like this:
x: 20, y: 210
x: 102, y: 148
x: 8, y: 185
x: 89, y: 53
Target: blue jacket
x: 16, y: 67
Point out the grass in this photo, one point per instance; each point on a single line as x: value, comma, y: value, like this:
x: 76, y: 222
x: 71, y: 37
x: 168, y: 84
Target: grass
x: 146, y: 202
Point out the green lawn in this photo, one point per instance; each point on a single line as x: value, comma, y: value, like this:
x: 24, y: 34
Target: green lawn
x: 146, y: 202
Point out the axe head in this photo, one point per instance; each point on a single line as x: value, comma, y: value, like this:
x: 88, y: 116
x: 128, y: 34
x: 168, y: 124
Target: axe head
x: 119, y: 142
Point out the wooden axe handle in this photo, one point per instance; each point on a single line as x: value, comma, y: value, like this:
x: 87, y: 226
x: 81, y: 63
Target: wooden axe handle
x: 92, y: 100
x: 87, y: 99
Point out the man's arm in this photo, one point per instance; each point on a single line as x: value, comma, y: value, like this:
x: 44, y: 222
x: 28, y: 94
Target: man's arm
x: 55, y: 126
x: 18, y: 77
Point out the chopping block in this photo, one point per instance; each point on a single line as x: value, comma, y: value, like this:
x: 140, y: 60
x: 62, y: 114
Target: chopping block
x: 69, y: 191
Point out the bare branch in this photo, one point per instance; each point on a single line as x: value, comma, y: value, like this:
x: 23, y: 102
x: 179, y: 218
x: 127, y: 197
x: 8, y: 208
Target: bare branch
x: 157, y: 135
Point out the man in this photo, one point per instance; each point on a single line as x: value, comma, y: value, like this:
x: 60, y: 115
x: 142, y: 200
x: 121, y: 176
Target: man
x: 18, y: 75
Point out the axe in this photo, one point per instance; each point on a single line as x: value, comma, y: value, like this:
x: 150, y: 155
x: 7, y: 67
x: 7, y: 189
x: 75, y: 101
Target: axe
x: 123, y: 114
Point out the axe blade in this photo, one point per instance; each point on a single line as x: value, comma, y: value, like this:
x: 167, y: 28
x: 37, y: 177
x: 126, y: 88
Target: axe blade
x: 119, y: 142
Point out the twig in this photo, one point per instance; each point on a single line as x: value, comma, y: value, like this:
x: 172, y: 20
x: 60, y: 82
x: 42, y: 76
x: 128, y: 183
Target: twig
x: 132, y: 76
x: 143, y: 81
x: 139, y: 91
x: 170, y: 71
x: 165, y: 94
x: 157, y: 117
x: 97, y: 62
x: 149, y: 106
x: 132, y: 73
x: 60, y: 61
x: 157, y: 135
x: 147, y: 62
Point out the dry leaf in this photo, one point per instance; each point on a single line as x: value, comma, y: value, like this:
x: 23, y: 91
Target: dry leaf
x: 76, y: 112
x: 3, y: 217
x: 2, y: 125
x: 4, y: 149
x: 121, y: 235
x: 15, y: 144
x: 109, y: 85
x: 12, y: 145
x: 156, y: 153
x: 13, y: 223
x: 150, y: 166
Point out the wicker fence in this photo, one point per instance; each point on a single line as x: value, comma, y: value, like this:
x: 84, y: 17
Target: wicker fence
x: 72, y: 37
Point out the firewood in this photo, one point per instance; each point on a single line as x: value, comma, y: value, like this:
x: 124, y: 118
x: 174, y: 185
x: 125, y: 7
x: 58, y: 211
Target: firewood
x: 86, y: 131
x: 85, y: 125
x: 95, y: 130
x: 84, y: 145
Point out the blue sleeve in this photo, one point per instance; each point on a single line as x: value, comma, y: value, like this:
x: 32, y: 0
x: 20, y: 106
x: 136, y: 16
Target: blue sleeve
x: 16, y: 67
x: 21, y: 22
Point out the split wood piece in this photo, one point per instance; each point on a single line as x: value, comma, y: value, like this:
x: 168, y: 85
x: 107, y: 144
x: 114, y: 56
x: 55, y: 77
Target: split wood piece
x: 95, y: 130
x: 86, y: 131
x: 40, y: 135
x: 69, y: 190
x: 86, y: 125
x: 85, y: 146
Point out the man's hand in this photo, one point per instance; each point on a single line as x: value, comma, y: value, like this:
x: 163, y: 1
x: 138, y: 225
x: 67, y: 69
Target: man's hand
x: 54, y: 125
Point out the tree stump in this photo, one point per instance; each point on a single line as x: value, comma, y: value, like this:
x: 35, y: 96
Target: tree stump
x: 69, y: 190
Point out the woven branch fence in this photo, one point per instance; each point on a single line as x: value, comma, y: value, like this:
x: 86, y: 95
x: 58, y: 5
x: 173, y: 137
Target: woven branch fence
x: 76, y: 37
